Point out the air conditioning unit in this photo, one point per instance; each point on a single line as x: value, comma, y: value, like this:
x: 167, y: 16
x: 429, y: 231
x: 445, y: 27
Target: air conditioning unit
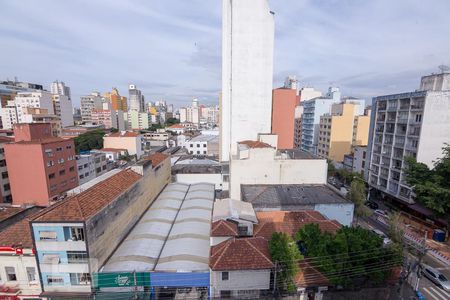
x: 245, y: 229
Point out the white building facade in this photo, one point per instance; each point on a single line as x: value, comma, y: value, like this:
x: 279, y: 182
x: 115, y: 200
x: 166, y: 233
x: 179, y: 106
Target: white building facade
x: 247, y: 71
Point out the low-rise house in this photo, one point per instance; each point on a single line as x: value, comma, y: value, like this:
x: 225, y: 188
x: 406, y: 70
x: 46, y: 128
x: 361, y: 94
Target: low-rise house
x: 204, y: 145
x: 132, y: 141
x: 199, y: 170
x: 112, y: 154
x: 241, y: 268
x: 176, y: 128
x: 75, y: 237
x: 19, y: 276
x: 91, y: 166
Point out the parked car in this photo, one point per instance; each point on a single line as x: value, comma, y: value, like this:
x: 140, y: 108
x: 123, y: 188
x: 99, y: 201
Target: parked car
x: 382, y: 213
x: 436, y: 277
x: 372, y: 205
x: 386, y: 240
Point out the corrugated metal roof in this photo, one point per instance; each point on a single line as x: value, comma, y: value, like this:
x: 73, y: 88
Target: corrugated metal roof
x: 173, y: 235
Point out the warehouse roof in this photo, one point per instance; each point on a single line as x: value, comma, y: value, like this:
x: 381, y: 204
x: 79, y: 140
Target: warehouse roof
x: 173, y: 235
x: 290, y: 196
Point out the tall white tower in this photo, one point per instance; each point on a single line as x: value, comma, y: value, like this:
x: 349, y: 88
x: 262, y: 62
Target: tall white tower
x: 247, y: 72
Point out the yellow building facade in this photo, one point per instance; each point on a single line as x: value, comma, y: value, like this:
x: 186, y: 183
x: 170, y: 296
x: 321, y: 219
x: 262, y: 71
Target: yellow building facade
x: 342, y: 130
x: 117, y: 102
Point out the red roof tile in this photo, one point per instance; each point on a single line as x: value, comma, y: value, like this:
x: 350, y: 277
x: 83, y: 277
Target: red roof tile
x: 123, y: 134
x: 255, y: 144
x: 241, y: 254
x: 290, y: 222
x: 157, y: 158
x: 48, y: 140
x: 176, y: 126
x: 309, y: 276
x: 224, y: 228
x: 86, y: 204
x: 18, y: 234
x: 7, y: 212
x: 112, y: 150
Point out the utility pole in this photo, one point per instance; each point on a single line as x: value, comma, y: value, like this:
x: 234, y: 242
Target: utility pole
x: 275, y: 278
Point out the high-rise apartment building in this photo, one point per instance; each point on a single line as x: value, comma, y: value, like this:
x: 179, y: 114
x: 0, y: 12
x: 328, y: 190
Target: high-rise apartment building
x: 308, y: 93
x: 44, y: 164
x: 341, y: 130
x: 136, y: 99
x: 118, y: 102
x: 312, y: 110
x: 5, y: 187
x: 60, y: 88
x: 247, y: 72
x: 413, y: 124
x: 298, y: 126
x: 88, y: 103
x: 62, y: 106
x: 284, y: 101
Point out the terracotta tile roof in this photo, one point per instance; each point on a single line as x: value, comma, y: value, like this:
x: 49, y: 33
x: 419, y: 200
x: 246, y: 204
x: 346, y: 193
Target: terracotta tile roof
x: 123, y: 134
x: 290, y: 222
x: 48, y: 140
x: 5, y: 139
x: 241, y: 254
x: 7, y: 212
x: 309, y: 276
x: 255, y: 144
x: 176, y: 126
x: 18, y: 234
x: 157, y: 158
x: 224, y: 228
x: 86, y: 204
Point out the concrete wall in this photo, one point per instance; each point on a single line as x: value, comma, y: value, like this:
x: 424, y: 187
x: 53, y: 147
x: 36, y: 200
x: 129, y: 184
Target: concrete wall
x: 240, y: 280
x: 262, y: 168
x: 247, y: 72
x: 132, y: 144
x: 108, y: 228
x: 435, y: 131
x: 284, y: 102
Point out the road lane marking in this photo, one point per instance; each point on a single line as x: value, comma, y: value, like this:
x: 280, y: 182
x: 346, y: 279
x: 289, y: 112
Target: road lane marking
x: 429, y: 293
x: 439, y: 292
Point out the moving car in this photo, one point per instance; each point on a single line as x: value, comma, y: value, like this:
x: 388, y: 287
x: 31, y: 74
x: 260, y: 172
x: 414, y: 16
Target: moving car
x: 436, y: 277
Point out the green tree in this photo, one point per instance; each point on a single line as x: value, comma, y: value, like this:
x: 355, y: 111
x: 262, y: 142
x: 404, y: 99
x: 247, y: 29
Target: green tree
x: 154, y: 127
x: 172, y: 121
x: 351, y: 257
x: 285, y: 254
x: 331, y: 168
x: 432, y: 187
x: 89, y: 140
x: 357, y: 195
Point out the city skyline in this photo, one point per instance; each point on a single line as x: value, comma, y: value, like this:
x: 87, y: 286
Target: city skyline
x: 172, y: 49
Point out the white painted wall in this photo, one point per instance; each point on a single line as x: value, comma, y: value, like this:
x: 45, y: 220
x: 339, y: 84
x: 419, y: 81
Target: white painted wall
x: 435, y: 131
x: 215, y: 179
x: 20, y: 263
x: 343, y: 213
x: 240, y: 280
x: 262, y: 167
x: 247, y: 72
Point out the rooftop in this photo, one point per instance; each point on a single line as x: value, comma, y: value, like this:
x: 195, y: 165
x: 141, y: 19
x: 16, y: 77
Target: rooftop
x: 123, y: 134
x: 241, y: 254
x: 7, y: 212
x: 88, y: 203
x: 233, y: 209
x: 196, y: 169
x: 309, y: 276
x: 290, y: 222
x: 176, y: 126
x: 289, y: 196
x: 93, y: 182
x: 204, y: 138
x: 172, y: 235
x: 255, y: 144
x: 48, y: 140
x: 157, y: 158
x: 18, y: 234
x: 298, y: 154
x: 111, y: 150
x: 224, y: 228
x: 5, y: 139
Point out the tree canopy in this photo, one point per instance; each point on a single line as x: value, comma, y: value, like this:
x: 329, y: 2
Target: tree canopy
x: 351, y: 257
x: 89, y: 140
x: 172, y: 121
x: 357, y: 195
x: 286, y: 255
x: 432, y: 187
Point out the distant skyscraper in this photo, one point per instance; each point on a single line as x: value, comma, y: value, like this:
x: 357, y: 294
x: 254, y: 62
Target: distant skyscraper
x: 136, y: 99
x: 60, y: 88
x: 118, y: 102
x: 88, y: 103
x: 247, y: 68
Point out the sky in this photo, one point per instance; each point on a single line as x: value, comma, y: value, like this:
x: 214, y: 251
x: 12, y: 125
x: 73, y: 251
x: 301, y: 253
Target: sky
x: 172, y: 49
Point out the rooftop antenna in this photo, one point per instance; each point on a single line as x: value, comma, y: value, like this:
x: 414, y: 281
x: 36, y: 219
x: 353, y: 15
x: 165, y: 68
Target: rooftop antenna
x: 444, y: 68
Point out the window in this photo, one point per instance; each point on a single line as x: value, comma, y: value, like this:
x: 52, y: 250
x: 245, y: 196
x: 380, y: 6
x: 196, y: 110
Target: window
x: 31, y: 274
x: 192, y: 145
x: 85, y: 165
x: 104, y: 167
x: 198, y: 152
x: 58, y: 149
x: 51, y: 176
x: 198, y: 145
x: 4, y: 175
x: 6, y: 187
x: 204, y: 145
x: 48, y: 236
x: 98, y: 170
x: 77, y: 257
x: 71, y: 169
x: 81, y: 176
x: 69, y: 147
x: 10, y: 273
x: 2, y: 163
x: 80, y: 167
x: 364, y: 154
x: 225, y: 294
x: 80, y: 278
x: 55, y: 280
x: 225, y: 275
x: 418, y: 118
x: 75, y: 233
x: 62, y: 172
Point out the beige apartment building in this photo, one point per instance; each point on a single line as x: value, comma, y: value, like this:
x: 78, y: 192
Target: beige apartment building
x: 342, y: 130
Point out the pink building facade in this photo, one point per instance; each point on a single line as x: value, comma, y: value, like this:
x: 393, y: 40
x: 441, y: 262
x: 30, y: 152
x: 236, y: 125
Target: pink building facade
x: 41, y: 167
x: 284, y: 102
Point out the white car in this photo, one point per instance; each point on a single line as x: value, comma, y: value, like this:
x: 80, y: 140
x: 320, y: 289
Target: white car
x: 382, y: 213
x: 386, y: 240
x: 436, y: 277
